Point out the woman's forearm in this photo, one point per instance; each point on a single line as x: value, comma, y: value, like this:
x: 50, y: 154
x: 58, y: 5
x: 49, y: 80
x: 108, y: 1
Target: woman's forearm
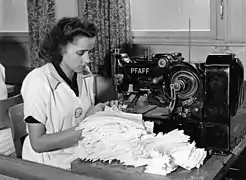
x: 55, y: 141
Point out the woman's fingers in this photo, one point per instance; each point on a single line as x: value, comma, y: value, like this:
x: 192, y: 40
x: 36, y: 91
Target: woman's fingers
x: 114, y: 103
x: 117, y: 103
x: 111, y: 103
x: 100, y: 106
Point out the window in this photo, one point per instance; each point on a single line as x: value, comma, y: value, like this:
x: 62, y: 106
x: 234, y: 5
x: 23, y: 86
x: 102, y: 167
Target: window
x: 13, y: 19
x: 172, y: 19
x: 13, y: 22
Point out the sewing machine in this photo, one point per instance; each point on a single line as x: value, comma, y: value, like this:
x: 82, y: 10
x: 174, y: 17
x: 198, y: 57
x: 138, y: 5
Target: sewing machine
x: 203, y: 99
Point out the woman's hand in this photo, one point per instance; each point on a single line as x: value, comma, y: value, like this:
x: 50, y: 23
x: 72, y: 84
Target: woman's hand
x: 113, y: 103
x: 98, y: 107
x: 101, y: 107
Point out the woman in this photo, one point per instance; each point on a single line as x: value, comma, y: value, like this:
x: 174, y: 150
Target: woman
x: 3, y: 87
x: 59, y: 95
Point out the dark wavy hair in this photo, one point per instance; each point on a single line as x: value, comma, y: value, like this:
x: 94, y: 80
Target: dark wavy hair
x: 64, y: 32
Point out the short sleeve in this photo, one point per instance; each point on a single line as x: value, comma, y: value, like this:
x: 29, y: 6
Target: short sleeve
x: 34, y: 93
x: 3, y: 88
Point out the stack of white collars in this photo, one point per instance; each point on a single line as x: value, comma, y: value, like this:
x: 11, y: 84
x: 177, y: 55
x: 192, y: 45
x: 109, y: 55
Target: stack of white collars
x: 114, y: 135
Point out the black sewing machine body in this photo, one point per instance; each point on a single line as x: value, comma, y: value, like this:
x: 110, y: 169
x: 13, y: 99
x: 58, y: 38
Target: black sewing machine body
x: 203, y: 99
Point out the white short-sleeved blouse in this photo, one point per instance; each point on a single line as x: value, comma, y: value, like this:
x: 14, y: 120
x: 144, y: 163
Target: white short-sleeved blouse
x: 51, y: 101
x: 3, y: 88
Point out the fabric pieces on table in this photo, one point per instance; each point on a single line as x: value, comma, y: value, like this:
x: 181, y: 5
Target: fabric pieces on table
x: 115, y: 135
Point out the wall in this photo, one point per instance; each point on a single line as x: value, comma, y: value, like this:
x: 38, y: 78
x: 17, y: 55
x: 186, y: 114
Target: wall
x: 14, y: 47
x: 231, y: 37
x: 14, y: 55
x: 196, y: 53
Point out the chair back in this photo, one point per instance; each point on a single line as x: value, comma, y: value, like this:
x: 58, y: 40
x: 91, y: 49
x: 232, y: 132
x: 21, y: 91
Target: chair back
x: 16, y: 115
x: 5, y: 105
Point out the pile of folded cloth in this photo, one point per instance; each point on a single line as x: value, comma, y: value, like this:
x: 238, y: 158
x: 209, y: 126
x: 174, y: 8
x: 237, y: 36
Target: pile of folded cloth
x: 118, y: 136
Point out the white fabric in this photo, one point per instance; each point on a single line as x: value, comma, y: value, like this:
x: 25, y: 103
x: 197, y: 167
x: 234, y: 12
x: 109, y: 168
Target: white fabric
x: 120, y: 136
x: 3, y: 87
x: 50, y: 100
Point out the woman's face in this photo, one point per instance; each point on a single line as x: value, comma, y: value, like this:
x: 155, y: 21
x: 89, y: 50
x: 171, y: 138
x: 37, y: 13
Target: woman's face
x: 76, y: 54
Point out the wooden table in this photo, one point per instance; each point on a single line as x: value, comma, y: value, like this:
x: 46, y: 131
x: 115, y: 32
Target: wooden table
x: 19, y: 169
x: 214, y: 168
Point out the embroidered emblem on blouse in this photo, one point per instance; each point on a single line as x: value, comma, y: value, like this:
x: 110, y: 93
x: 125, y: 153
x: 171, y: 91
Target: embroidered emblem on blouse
x: 78, y: 112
